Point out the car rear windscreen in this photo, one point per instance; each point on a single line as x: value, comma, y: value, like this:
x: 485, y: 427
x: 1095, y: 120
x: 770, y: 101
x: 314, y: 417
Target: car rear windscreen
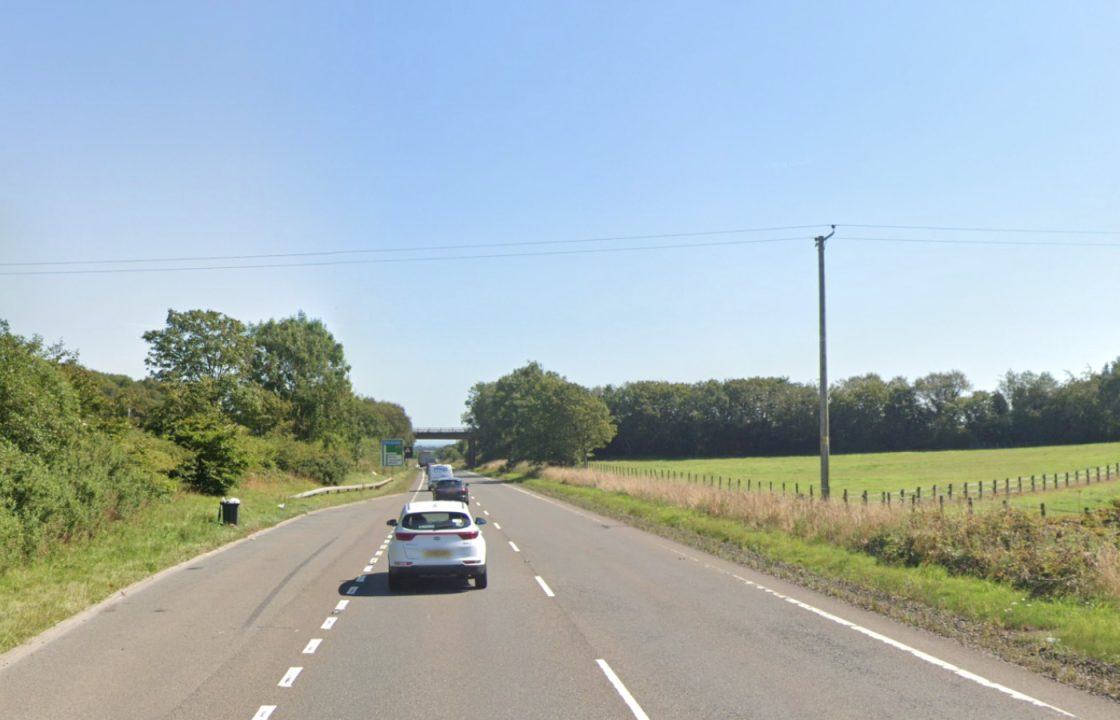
x: 435, y: 521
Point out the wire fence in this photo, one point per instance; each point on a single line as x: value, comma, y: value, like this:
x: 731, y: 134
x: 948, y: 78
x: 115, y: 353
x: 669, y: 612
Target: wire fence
x: 966, y: 493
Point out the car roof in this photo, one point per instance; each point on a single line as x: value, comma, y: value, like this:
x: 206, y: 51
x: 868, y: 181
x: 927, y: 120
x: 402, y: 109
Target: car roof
x: 436, y: 506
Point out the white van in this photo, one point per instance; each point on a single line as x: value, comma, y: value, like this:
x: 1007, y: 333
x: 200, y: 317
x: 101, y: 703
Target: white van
x: 437, y: 473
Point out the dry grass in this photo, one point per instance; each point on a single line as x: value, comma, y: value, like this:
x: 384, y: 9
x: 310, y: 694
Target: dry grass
x: 1072, y: 557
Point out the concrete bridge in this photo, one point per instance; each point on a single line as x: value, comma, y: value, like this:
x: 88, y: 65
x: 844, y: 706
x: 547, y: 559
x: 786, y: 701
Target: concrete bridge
x: 450, y: 433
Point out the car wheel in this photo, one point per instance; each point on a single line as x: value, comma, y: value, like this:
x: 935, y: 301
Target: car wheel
x: 480, y: 581
x: 395, y: 582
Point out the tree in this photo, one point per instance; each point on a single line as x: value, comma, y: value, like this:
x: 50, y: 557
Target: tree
x: 298, y: 359
x: 536, y: 416
x: 197, y: 345
x: 216, y: 459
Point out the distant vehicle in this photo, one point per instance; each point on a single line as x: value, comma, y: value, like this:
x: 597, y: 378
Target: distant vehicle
x: 451, y: 489
x: 438, y: 472
x: 426, y: 457
x: 437, y: 539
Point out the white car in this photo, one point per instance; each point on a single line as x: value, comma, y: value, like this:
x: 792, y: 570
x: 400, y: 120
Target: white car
x: 437, y: 473
x: 437, y: 539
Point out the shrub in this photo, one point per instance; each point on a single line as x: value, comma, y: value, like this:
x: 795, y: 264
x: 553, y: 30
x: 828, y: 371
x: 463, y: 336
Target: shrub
x: 216, y: 459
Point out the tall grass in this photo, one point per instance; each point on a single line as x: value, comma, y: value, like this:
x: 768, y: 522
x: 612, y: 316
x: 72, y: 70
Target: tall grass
x: 1050, y: 557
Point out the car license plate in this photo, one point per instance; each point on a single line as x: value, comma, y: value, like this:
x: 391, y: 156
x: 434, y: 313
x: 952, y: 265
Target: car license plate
x: 437, y: 553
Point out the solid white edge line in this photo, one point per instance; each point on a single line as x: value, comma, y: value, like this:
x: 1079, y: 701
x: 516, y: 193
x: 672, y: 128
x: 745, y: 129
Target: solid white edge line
x: 341, y: 605
x: 544, y: 586
x: 289, y: 677
x: 328, y: 623
x: 938, y: 662
x: 265, y: 712
x: 514, y: 546
x: 312, y: 646
x: 622, y: 691
x: 932, y: 660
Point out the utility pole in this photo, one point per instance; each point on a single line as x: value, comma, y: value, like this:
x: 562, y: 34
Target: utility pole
x: 820, y: 239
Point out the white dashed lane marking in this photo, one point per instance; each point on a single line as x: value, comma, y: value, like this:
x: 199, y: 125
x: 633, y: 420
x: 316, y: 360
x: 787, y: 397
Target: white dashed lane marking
x: 545, y: 587
x: 328, y: 623
x: 352, y: 590
x: 627, y: 698
x: 289, y: 677
x: 514, y: 546
x: 312, y: 646
x: 341, y: 605
x: 368, y: 568
x: 485, y: 512
x: 362, y: 578
x: 497, y: 526
x: 265, y: 712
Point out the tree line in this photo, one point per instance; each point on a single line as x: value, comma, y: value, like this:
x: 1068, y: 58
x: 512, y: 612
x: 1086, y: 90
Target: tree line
x: 538, y: 416
x: 939, y: 411
x: 79, y: 448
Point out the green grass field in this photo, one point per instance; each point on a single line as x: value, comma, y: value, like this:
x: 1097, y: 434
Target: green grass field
x: 879, y: 472
x: 38, y: 594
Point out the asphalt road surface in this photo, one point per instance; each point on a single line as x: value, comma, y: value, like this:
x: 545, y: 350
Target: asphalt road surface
x: 584, y: 618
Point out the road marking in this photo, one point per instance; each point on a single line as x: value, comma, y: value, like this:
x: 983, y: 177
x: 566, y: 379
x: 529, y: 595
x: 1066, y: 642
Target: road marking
x: 958, y: 671
x: 289, y: 677
x: 341, y: 605
x: 378, y: 553
x: 264, y: 713
x: 497, y: 526
x: 328, y: 623
x: 545, y: 587
x: 485, y: 512
x: 373, y: 561
x: 384, y: 545
x: 352, y: 590
x: 312, y: 646
x: 478, y: 503
x: 515, y: 548
x: 561, y: 505
x: 626, y: 696
x: 368, y: 568
x: 362, y: 578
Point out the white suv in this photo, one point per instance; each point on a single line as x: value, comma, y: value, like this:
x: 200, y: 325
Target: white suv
x: 438, y: 538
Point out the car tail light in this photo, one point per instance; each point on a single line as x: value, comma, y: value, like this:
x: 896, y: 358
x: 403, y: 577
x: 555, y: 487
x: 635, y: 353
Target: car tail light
x: 469, y: 535
x: 405, y: 537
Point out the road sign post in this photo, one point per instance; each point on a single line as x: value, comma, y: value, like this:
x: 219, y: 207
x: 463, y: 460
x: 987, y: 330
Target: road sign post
x: 392, y: 452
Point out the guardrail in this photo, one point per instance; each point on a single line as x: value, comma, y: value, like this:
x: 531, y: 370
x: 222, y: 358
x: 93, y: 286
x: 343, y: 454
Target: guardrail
x: 342, y: 488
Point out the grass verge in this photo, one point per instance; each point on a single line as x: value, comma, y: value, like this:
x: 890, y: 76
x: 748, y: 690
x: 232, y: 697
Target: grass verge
x: 890, y: 472
x: 1077, y: 642
x: 38, y: 594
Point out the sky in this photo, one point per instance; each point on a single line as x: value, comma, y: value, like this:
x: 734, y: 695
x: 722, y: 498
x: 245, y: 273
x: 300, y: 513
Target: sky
x: 131, y: 131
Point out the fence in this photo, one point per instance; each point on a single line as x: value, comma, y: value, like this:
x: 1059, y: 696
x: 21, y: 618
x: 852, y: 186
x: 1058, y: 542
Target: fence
x: 960, y: 493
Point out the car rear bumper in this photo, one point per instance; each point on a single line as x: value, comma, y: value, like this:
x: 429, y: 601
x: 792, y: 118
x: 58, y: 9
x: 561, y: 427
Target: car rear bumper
x: 439, y: 570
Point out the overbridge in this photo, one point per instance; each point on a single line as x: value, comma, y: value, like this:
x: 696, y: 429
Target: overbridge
x: 450, y: 433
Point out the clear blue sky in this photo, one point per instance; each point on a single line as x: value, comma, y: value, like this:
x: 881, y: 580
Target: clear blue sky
x: 226, y: 128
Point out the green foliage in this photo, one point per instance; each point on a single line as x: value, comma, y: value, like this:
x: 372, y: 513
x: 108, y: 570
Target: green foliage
x: 40, y: 412
x: 536, y: 416
x: 939, y: 411
x: 299, y: 360
x: 197, y: 345
x: 216, y: 458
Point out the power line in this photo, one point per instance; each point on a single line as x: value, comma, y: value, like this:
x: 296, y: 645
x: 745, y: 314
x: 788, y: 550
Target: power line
x: 421, y: 248
x: 379, y: 261
x: 959, y: 241
x: 950, y: 228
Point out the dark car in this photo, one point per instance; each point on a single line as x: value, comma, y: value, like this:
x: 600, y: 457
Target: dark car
x: 451, y: 489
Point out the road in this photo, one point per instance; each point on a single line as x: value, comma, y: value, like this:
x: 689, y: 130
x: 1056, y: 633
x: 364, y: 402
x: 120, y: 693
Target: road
x: 584, y: 618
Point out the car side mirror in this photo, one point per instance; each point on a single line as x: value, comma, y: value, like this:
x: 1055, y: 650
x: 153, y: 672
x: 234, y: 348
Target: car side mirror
x: 480, y: 521
x: 392, y: 523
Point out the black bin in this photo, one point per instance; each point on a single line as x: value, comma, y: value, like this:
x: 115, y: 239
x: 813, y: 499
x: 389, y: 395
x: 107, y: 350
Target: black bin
x: 229, y: 509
